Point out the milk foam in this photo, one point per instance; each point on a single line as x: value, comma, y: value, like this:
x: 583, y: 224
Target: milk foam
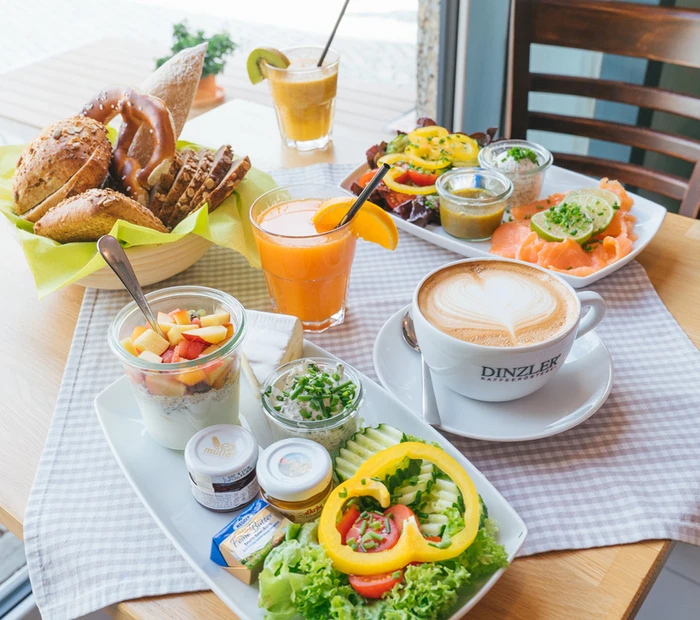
x: 496, y: 304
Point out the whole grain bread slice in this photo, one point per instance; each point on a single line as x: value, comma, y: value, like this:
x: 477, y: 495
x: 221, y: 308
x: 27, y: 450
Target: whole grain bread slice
x: 223, y: 158
x: 239, y: 168
x: 190, y: 161
x: 88, y: 216
x: 161, y: 189
x: 184, y: 205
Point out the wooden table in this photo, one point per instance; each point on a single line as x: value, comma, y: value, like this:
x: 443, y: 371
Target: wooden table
x: 600, y: 583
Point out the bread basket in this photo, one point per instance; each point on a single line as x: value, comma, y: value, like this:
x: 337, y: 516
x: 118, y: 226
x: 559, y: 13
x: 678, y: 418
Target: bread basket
x: 153, y: 263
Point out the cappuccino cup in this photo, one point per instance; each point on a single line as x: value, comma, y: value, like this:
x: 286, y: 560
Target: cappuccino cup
x: 497, y: 330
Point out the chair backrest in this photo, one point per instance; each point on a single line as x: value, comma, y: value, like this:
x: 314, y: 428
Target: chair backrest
x: 663, y: 34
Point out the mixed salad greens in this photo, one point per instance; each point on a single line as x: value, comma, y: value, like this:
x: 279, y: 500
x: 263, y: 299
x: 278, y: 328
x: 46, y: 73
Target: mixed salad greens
x: 301, y: 577
x: 417, y: 159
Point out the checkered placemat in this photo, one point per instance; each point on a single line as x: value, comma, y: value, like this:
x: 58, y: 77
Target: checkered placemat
x: 629, y: 473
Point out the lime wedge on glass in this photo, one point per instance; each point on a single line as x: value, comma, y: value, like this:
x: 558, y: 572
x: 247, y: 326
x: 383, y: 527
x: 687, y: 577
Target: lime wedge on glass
x: 565, y: 221
x: 600, y: 204
x: 262, y: 56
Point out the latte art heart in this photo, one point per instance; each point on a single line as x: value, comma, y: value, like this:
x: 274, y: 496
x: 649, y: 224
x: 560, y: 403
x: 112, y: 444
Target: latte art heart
x: 496, y: 304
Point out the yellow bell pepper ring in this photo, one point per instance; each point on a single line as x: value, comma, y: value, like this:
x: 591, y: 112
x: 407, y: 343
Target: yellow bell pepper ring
x: 429, y: 131
x: 408, y: 158
x: 392, y: 184
x: 411, y: 545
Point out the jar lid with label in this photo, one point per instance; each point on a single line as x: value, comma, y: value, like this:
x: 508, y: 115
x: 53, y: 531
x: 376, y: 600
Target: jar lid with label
x: 294, y: 470
x: 222, y: 451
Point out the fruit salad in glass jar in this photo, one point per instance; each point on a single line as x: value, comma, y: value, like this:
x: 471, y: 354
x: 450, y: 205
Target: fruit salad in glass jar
x: 188, y: 378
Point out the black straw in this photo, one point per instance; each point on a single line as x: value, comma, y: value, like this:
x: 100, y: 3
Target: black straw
x: 330, y: 39
x: 365, y: 194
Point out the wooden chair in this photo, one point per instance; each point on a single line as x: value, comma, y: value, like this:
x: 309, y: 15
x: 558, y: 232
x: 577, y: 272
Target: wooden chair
x: 656, y: 33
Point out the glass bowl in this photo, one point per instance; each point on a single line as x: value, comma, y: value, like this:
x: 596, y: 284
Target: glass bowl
x: 332, y: 432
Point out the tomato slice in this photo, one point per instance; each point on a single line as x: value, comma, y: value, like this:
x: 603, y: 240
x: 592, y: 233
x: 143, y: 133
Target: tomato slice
x: 374, y: 586
x: 420, y: 178
x: 370, y: 534
x: 347, y: 520
x: 435, y: 539
x: 400, y: 513
x: 366, y: 178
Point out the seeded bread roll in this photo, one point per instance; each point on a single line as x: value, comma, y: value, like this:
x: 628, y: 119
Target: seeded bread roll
x: 74, y: 152
x: 88, y: 216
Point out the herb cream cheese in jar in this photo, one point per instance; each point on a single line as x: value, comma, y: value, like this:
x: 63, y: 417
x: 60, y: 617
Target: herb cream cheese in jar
x: 221, y: 463
x: 296, y: 477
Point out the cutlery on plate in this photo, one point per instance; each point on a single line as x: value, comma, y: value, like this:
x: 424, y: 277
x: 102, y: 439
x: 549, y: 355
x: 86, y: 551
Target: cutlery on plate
x: 429, y: 408
x: 115, y: 256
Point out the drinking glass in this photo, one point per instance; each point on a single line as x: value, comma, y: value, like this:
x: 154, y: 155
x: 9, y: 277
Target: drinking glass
x: 307, y: 276
x: 304, y: 96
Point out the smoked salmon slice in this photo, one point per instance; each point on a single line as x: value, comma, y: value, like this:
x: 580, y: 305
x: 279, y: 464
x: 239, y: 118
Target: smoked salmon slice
x: 515, y: 239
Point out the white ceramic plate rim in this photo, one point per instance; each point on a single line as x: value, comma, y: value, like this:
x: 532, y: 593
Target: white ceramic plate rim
x: 313, y: 350
x: 573, y: 422
x: 655, y: 213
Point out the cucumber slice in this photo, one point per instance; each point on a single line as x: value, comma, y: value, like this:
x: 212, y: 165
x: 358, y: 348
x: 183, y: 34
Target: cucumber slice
x: 363, y: 444
x: 413, y: 490
x: 433, y: 525
x: 600, y: 204
x: 262, y: 56
x: 567, y: 220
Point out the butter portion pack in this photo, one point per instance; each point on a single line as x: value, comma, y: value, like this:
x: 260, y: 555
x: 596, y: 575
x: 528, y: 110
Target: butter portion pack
x: 242, y: 546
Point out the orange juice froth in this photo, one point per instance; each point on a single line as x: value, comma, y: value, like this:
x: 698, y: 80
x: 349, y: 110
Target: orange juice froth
x: 307, y: 273
x: 304, y: 98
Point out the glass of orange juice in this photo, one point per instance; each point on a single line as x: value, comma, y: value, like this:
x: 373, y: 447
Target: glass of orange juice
x: 307, y: 272
x: 304, y: 96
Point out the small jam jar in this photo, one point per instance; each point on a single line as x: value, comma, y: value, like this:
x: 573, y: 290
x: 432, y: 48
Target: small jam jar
x: 221, y: 462
x: 296, y: 477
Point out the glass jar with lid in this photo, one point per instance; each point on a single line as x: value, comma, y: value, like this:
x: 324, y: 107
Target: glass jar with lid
x: 296, y: 477
x: 472, y: 202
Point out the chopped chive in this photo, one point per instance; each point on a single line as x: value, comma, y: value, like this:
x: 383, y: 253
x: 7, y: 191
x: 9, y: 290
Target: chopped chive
x: 375, y: 536
x: 343, y: 493
x: 370, y: 544
x: 375, y: 525
x: 363, y: 481
x: 363, y: 528
x: 387, y: 525
x: 396, y: 574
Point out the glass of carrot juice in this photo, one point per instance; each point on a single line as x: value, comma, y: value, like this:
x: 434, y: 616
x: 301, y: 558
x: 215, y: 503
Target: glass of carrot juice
x: 307, y: 272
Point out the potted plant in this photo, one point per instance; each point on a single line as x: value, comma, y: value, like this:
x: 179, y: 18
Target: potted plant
x: 220, y: 46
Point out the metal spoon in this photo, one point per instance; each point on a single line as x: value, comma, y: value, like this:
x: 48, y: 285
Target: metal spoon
x: 116, y: 258
x: 428, y: 405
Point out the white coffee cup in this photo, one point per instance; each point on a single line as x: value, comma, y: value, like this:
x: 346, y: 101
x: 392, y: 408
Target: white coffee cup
x: 502, y: 373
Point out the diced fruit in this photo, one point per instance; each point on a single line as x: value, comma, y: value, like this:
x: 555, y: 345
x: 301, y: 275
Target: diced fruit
x: 229, y: 330
x: 182, y: 317
x: 175, y: 333
x: 210, y: 349
x: 217, y: 372
x: 216, y: 319
x: 210, y: 335
x: 128, y: 346
x: 189, y: 350
x: 159, y: 385
x: 165, y: 322
x: 168, y: 356
x: 192, y: 377
x: 197, y: 321
x: 150, y: 357
x: 136, y: 376
x: 138, y: 330
x: 150, y: 341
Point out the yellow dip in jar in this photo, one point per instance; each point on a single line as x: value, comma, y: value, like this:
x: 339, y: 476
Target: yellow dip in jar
x: 472, y: 202
x: 296, y: 477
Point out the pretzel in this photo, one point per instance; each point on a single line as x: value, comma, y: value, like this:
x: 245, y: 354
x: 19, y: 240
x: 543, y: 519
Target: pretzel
x: 136, y: 108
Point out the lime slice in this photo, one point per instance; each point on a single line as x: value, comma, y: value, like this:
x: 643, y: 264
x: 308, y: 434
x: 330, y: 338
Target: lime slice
x: 600, y: 204
x: 261, y: 56
x: 565, y: 221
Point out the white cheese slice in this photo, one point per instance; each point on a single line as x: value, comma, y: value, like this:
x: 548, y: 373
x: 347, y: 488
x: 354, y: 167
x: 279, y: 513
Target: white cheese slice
x: 271, y: 340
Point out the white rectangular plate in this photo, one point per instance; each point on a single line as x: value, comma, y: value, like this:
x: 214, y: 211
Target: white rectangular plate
x: 558, y: 180
x: 159, y: 478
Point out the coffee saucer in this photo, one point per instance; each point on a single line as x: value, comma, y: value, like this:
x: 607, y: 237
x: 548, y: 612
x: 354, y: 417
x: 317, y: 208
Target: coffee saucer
x: 575, y: 394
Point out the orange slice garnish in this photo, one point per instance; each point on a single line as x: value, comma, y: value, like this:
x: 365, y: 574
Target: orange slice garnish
x: 371, y: 223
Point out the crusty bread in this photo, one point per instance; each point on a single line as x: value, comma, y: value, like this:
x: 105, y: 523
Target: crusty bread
x: 223, y: 158
x: 88, y: 216
x: 223, y: 190
x: 75, y: 147
x: 175, y: 83
x: 184, y: 205
x: 82, y: 180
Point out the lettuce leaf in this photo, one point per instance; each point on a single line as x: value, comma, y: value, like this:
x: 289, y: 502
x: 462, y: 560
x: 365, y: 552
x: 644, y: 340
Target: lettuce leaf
x: 299, y: 581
